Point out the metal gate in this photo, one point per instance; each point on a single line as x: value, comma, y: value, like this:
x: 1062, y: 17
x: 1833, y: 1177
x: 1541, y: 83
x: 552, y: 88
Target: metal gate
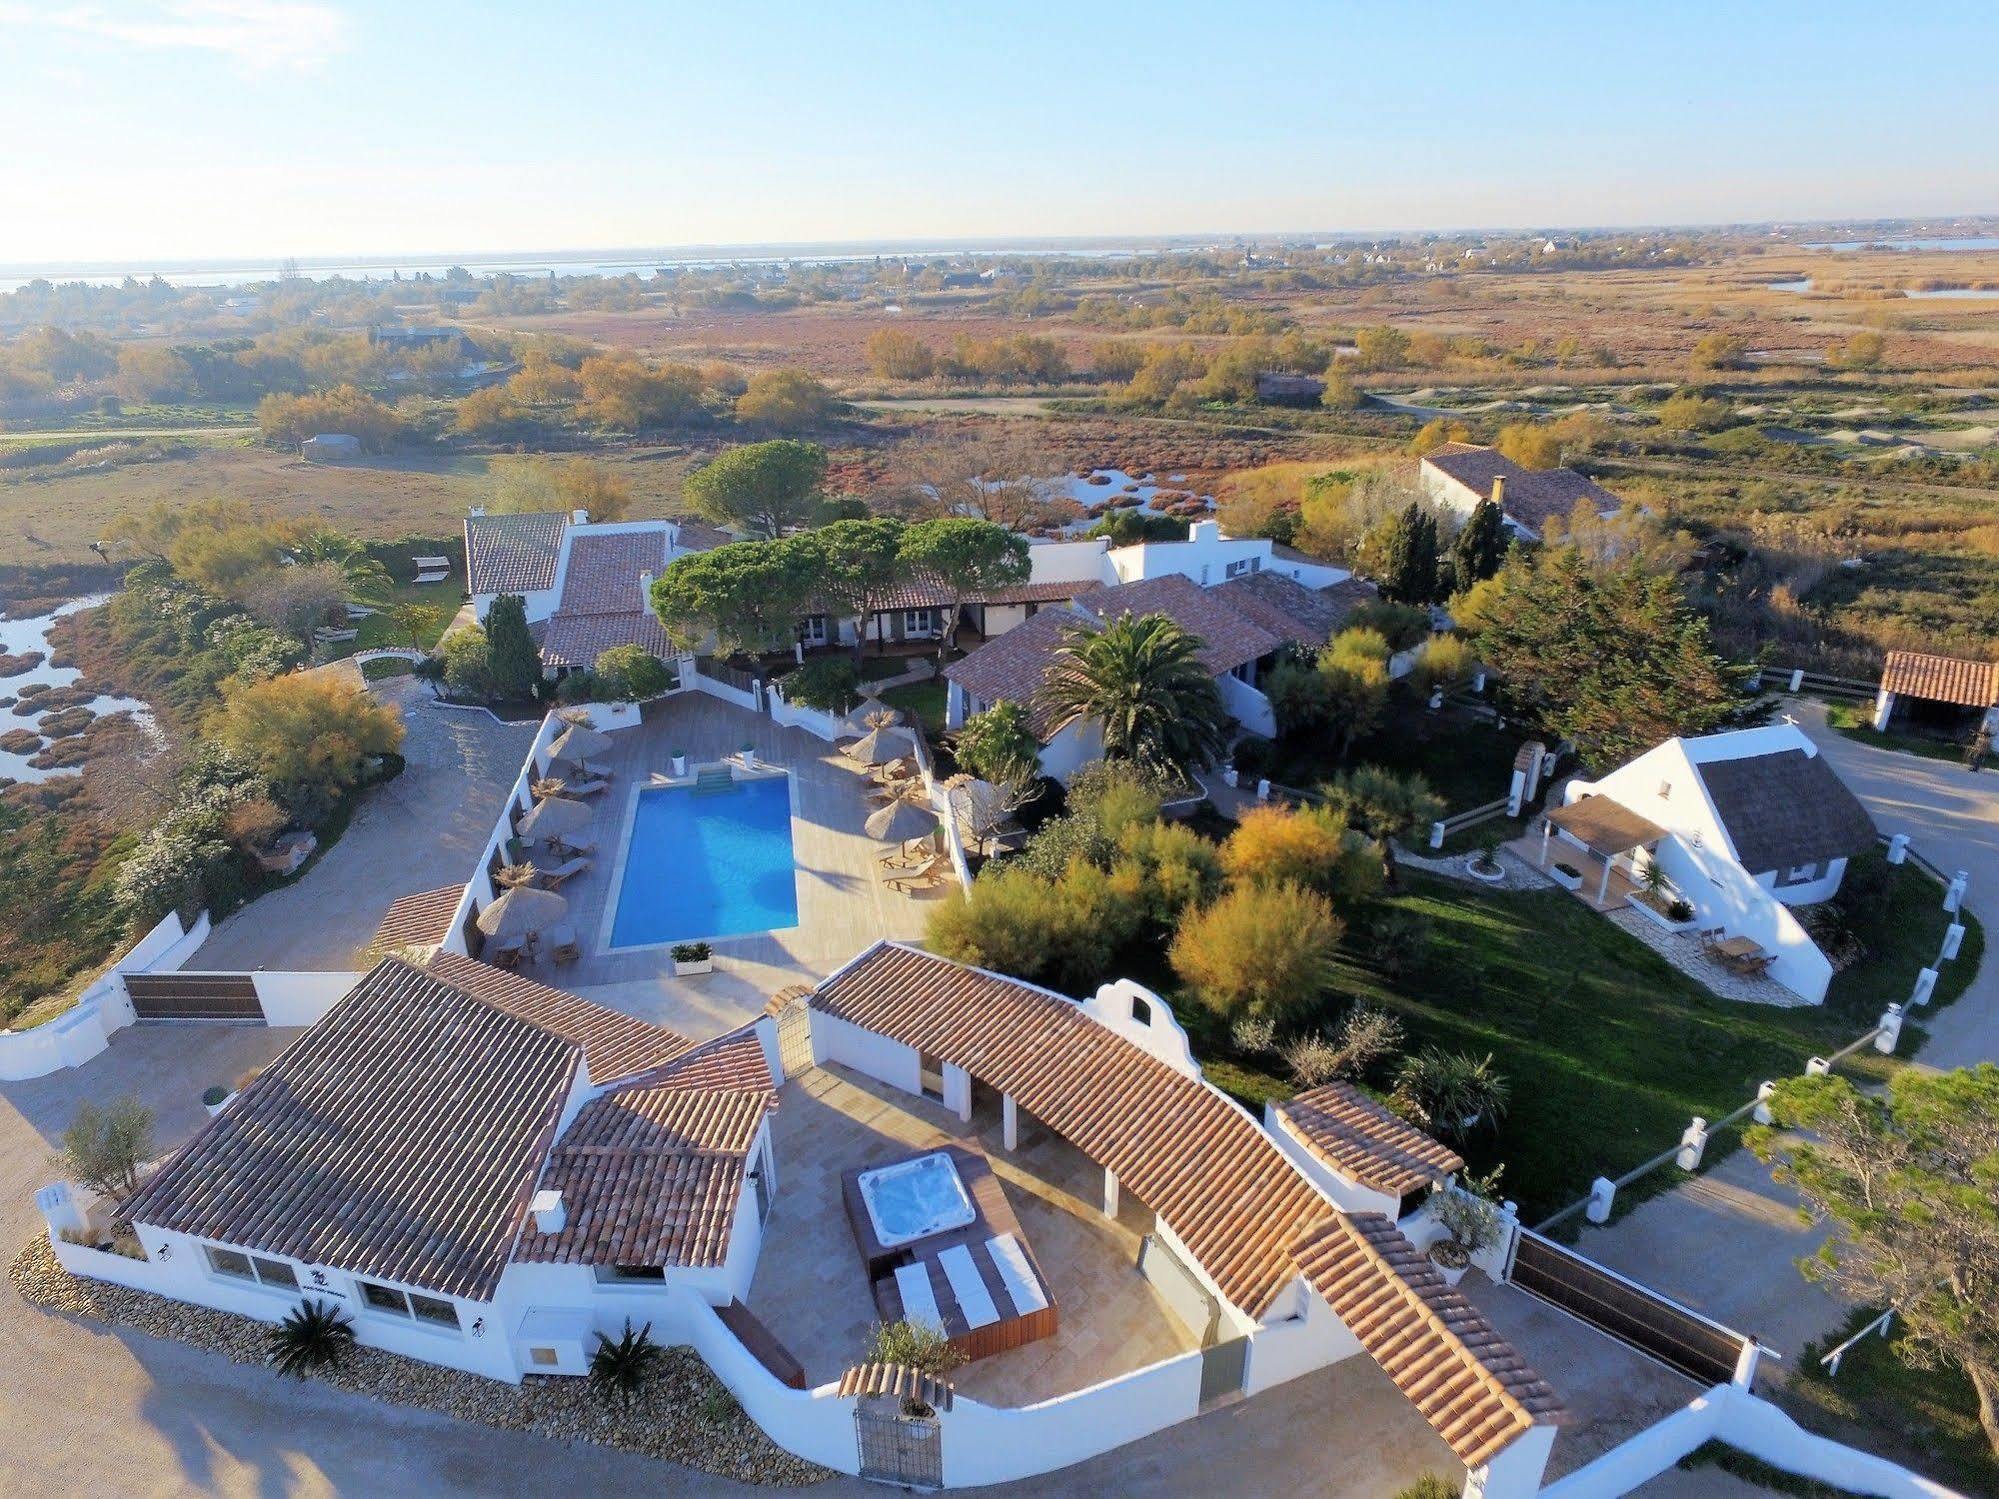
x: 1678, y: 1337
x: 1222, y: 1368
x: 794, y: 1030
x: 194, y: 996
x: 896, y: 1448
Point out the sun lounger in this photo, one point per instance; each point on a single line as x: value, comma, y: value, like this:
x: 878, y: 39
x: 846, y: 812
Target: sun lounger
x: 561, y: 943
x: 358, y: 611
x: 583, y: 788
x: 431, y: 564
x: 918, y: 1303
x: 974, y: 1300
x: 1016, y: 1273
x: 327, y: 636
x: 570, y: 848
x: 553, y: 879
x: 431, y: 577
x: 932, y: 871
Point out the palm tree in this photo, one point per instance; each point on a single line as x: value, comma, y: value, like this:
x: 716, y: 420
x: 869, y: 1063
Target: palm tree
x: 1141, y: 679
x: 1450, y: 1093
x: 622, y: 1368
x: 1386, y: 806
x: 367, y: 580
x: 314, y: 1335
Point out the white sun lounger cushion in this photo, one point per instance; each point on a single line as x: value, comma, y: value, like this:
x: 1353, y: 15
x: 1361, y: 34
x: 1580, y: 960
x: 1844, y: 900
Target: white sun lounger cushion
x: 974, y: 1300
x: 918, y: 1305
x: 1015, y: 1271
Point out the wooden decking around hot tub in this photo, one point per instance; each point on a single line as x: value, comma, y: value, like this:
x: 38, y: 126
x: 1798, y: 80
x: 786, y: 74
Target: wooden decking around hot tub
x: 994, y: 1216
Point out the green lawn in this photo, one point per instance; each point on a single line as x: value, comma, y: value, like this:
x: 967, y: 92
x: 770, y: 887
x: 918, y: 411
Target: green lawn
x: 1925, y: 1419
x: 1609, y: 1050
x: 924, y: 700
x: 1466, y: 762
x: 1856, y: 722
x: 378, y: 630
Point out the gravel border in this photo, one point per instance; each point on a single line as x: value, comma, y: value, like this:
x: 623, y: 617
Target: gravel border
x: 685, y: 1416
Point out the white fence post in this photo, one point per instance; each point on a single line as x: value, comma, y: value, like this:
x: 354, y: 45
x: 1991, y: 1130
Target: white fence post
x: 1953, y: 939
x: 1817, y: 1067
x: 1953, y: 897
x: 1602, y: 1193
x: 1797, y: 679
x: 1890, y: 1030
x: 1926, y: 984
x: 1898, y: 848
x: 1761, y: 1113
x: 1263, y: 789
x: 1693, y: 1144
x: 1516, y: 793
x: 1436, y: 835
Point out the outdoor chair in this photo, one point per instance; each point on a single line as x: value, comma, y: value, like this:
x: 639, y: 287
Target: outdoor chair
x: 561, y: 943
x: 581, y: 789
x: 570, y: 848
x: 932, y: 871
x: 553, y: 879
x: 505, y: 954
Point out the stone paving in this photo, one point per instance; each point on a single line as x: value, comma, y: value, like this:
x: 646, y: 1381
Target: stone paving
x: 1683, y: 951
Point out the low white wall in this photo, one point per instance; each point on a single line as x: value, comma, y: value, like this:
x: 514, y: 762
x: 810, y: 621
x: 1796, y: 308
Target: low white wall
x: 886, y: 1061
x: 300, y: 998
x: 815, y: 721
x: 85, y: 1029
x: 691, y: 677
x: 1247, y: 706
x: 988, y: 1444
x: 1285, y: 1347
x: 1069, y: 751
x: 817, y: 1425
x: 1752, y: 1425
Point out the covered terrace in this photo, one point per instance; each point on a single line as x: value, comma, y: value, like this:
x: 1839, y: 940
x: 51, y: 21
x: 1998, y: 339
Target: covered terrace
x: 1605, y: 832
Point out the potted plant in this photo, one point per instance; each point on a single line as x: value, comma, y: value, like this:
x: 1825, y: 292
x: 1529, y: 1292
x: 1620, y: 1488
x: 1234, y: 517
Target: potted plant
x: 214, y: 1098
x: 918, y: 1346
x: 1484, y: 864
x: 1470, y: 1219
x: 748, y: 755
x: 680, y: 762
x: 691, y: 958
x: 1567, y: 876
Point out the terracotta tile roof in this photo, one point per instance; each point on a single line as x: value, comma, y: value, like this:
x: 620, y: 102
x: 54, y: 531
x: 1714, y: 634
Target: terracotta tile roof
x: 1361, y: 1139
x: 1941, y: 679
x: 1183, y: 1149
x: 698, y: 536
x: 651, y: 1172
x: 1036, y: 593
x: 1533, y: 496
x: 512, y: 553
x: 1785, y: 809
x: 1438, y: 1348
x: 1010, y: 667
x: 603, y: 572
x: 419, y: 920
x: 1229, y: 636
x: 579, y: 639
x: 898, y: 1380
x: 1288, y: 609
x: 399, y: 1137
x: 615, y: 1045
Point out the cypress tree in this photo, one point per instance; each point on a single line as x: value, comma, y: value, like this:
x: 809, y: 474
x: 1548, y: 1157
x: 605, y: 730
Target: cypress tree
x: 512, y: 658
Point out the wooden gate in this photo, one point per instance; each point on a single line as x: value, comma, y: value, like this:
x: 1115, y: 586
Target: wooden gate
x: 896, y: 1448
x: 1222, y: 1368
x: 194, y: 996
x: 1655, y: 1325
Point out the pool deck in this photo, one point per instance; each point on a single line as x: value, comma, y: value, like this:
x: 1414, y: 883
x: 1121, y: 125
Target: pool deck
x: 843, y: 906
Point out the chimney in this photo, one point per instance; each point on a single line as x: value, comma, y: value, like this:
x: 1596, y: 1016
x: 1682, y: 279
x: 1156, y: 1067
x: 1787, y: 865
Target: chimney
x: 579, y: 517
x: 1205, y: 530
x: 550, y: 1216
x: 645, y: 588
x: 476, y: 511
x: 1499, y: 491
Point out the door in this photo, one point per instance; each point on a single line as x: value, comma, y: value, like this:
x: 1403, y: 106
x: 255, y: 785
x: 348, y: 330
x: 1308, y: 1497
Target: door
x: 194, y: 996
x: 1222, y: 1368
x: 895, y: 1448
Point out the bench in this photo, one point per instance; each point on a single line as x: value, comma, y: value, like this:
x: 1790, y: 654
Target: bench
x: 762, y: 1345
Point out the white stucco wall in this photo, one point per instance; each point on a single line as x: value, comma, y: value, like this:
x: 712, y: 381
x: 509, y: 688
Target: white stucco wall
x: 1300, y: 1333
x: 1072, y: 749
x: 1069, y: 562
x: 886, y: 1061
x: 1204, y: 556
x: 1349, y: 1194
x: 1160, y: 1036
x: 1247, y: 706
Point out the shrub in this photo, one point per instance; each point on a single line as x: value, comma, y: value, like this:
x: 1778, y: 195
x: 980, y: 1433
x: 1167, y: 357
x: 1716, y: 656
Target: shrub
x: 1431, y: 1486
x: 1400, y: 626
x: 314, y: 1335
x: 1397, y: 941
x: 691, y: 952
x: 621, y: 1369
x: 1313, y: 1059
x: 580, y: 687
x: 1446, y: 663
x: 103, y: 1147
x: 210, y: 1097
x: 1252, y: 1035
x: 1450, y: 1093
x: 1311, y: 846
x: 829, y: 683
x: 913, y: 1345
x: 632, y: 674
x: 998, y: 745
x: 310, y: 730
x: 1266, y: 949
x: 1176, y: 867
x: 466, y: 664
x: 1470, y: 1218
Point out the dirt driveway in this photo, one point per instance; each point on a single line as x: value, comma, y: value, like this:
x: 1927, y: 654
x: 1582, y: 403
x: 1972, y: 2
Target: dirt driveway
x: 422, y: 830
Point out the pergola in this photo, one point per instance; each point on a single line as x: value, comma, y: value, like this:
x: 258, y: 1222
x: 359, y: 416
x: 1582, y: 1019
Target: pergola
x: 1606, y: 828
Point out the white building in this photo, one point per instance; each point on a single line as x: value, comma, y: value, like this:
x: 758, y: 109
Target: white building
x: 1458, y: 475
x: 1245, y: 598
x: 532, y: 554
x: 1744, y: 826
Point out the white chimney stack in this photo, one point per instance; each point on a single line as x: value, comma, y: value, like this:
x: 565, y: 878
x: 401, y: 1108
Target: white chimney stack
x: 579, y: 517
x: 550, y: 1216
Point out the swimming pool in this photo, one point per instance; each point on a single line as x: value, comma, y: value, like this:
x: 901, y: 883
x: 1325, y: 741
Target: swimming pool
x: 914, y: 1199
x: 707, y: 863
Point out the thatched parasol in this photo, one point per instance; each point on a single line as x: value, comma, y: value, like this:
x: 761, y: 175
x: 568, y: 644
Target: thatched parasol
x: 900, y: 821
x: 579, y: 742
x: 554, y: 817
x: 522, y: 912
x: 880, y: 745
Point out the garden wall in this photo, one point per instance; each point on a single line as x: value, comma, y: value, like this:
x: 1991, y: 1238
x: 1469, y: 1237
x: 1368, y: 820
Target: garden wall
x: 81, y: 1032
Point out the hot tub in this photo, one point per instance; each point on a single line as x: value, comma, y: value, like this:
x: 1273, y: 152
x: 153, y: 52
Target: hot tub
x: 912, y: 1200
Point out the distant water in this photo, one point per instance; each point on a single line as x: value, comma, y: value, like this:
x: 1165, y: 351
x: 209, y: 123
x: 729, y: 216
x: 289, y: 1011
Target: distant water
x: 20, y: 636
x: 1985, y: 292
x: 639, y: 262
x: 1970, y: 242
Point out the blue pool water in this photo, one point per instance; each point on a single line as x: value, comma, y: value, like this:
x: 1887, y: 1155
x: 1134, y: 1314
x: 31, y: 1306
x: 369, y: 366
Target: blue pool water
x: 708, y: 864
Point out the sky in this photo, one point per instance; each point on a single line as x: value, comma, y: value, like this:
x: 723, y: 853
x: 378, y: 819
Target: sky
x: 151, y: 132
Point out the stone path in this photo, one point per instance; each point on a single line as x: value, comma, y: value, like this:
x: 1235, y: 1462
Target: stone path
x: 1683, y: 951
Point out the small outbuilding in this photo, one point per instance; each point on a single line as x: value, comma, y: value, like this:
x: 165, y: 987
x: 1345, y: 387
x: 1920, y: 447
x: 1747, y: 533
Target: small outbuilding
x: 1944, y: 693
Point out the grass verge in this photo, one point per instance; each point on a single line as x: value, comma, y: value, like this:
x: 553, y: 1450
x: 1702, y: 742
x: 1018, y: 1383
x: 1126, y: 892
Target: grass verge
x: 1856, y: 722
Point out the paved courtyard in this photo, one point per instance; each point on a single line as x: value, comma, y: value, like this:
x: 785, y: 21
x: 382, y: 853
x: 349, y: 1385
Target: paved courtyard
x: 421, y: 830
x: 811, y: 1288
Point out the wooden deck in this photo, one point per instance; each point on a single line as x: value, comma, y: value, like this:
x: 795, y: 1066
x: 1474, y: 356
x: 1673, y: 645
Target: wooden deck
x: 844, y: 903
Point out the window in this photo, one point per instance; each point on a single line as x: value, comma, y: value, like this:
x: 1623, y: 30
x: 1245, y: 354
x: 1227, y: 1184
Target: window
x: 1799, y: 873
x: 631, y: 1272
x: 1246, y: 565
x: 546, y: 1358
x: 1141, y: 1011
x: 434, y: 1309
x: 274, y: 1272
x: 384, y: 1298
x: 229, y: 1262
x: 919, y: 622
x: 813, y: 630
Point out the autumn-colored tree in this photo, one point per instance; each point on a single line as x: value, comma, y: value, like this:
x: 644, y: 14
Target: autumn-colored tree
x: 1381, y: 348
x: 633, y: 396
x: 896, y: 354
x: 789, y: 399
x: 1530, y: 444
x: 541, y: 381
x: 1434, y: 433
x: 287, y: 420
x: 1259, y: 950
x: 309, y: 728
x: 1719, y: 351
x: 1311, y: 846
x: 1863, y: 351
x: 489, y: 413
